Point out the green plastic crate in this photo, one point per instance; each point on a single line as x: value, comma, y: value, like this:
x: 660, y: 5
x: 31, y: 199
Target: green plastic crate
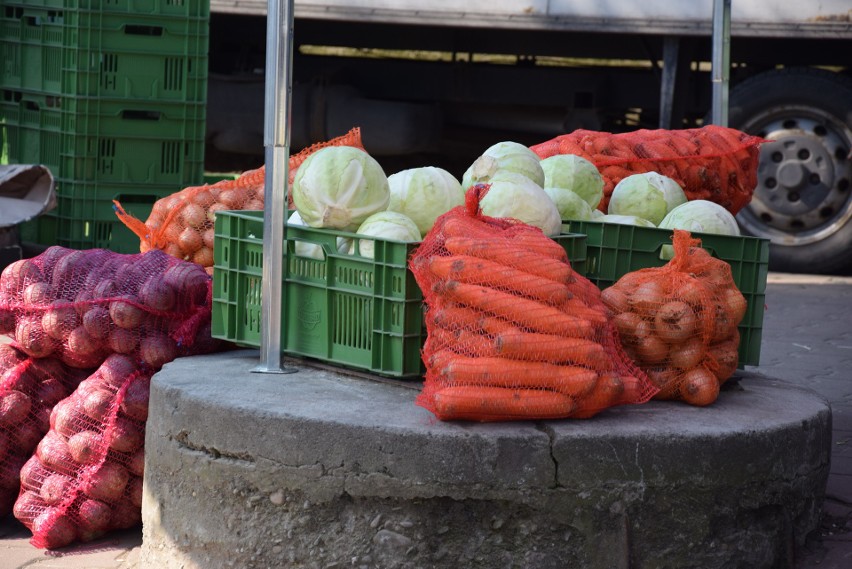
x: 106, y: 140
x: 179, y: 8
x: 81, y: 53
x: 613, y: 250
x: 345, y: 309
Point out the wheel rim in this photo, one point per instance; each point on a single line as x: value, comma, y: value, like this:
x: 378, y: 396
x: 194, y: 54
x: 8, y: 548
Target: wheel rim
x: 803, y: 188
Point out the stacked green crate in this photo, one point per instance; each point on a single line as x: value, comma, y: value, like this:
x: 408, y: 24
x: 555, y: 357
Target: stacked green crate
x: 111, y: 96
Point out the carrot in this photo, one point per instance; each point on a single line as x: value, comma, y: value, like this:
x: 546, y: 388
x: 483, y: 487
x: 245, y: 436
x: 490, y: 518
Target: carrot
x: 454, y: 317
x: 515, y: 256
x: 581, y: 309
x: 494, y: 326
x: 473, y: 270
x: 475, y: 344
x: 530, y: 313
x: 467, y: 226
x: 682, y: 144
x: 520, y: 345
x: 496, y: 403
x: 534, y: 240
x: 608, y: 391
x: 503, y: 372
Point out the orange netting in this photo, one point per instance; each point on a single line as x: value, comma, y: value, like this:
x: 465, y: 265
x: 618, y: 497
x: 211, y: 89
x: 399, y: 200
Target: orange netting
x: 182, y: 224
x: 679, y: 322
x: 513, y: 332
x: 710, y: 163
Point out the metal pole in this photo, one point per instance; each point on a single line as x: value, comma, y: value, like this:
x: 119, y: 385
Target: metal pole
x: 276, y: 142
x: 721, y: 60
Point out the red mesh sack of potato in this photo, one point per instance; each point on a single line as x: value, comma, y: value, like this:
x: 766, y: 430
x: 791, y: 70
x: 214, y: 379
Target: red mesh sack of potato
x: 513, y: 332
x: 679, y: 322
x: 81, y: 306
x: 712, y: 163
x: 182, y: 224
x: 85, y: 477
x: 29, y: 388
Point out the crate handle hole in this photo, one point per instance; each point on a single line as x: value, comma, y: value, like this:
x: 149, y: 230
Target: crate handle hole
x: 134, y: 30
x: 141, y: 115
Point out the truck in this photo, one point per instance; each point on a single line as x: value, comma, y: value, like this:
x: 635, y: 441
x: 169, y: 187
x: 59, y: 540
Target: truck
x: 435, y: 83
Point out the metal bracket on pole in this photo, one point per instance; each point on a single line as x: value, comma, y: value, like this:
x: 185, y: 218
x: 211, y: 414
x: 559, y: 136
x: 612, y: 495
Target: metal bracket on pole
x: 721, y: 60
x: 276, y: 142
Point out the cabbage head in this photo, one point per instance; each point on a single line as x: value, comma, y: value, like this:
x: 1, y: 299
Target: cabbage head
x: 625, y: 220
x: 576, y: 174
x: 390, y: 225
x: 424, y: 194
x: 338, y: 187
x: 569, y: 204
x: 649, y: 195
x: 514, y: 195
x: 701, y: 216
x: 504, y: 156
x: 312, y: 250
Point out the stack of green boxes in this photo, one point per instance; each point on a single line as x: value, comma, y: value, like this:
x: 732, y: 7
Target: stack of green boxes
x: 111, y: 96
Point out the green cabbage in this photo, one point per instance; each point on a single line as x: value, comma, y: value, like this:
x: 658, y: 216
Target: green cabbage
x: 569, y: 204
x: 701, y: 216
x: 514, y: 195
x: 313, y: 250
x: 423, y: 194
x: 509, y: 156
x: 390, y: 225
x: 625, y: 220
x: 649, y: 196
x: 576, y: 174
x: 339, y: 187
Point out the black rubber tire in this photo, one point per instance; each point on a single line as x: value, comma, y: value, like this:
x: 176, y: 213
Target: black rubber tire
x: 809, y: 224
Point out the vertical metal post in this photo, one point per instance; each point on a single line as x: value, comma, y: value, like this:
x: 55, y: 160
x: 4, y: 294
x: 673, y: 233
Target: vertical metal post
x: 721, y: 60
x: 276, y: 142
x: 668, y: 81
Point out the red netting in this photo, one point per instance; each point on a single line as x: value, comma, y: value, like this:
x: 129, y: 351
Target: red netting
x: 85, y: 477
x: 81, y: 306
x: 710, y: 163
x: 513, y: 332
x: 182, y: 224
x: 29, y: 388
x: 679, y: 322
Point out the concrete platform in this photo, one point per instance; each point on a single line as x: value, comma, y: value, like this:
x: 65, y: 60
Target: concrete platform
x: 319, y: 469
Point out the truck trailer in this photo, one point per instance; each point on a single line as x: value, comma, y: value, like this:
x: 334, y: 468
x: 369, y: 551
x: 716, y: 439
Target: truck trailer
x: 435, y: 83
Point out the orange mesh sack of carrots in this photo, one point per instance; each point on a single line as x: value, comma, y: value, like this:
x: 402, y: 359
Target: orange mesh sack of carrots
x: 513, y: 332
x: 711, y: 163
x: 679, y: 322
x: 182, y: 224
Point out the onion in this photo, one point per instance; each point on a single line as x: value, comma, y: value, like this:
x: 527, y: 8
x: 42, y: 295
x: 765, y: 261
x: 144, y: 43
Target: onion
x: 107, y: 288
x: 615, y: 299
x: 5, y: 445
x: 157, y: 349
x: 204, y: 198
x: 136, y: 464
x: 14, y: 408
x: 27, y: 436
x: 203, y: 257
x: 16, y: 276
x: 83, y: 302
x: 71, y: 270
x: 688, y: 354
x: 651, y: 349
x: 97, y: 322
x: 627, y: 324
x: 126, y: 436
x: 174, y: 250
x: 51, y: 391
x: 81, y: 343
x: 94, y: 516
x: 193, y: 215
x: 66, y: 419
x: 253, y: 205
x: 97, y: 403
x: 692, y: 291
x: 32, y: 338
x: 59, y: 319
x: 727, y: 355
x: 189, y: 240
x: 108, y: 482
x: 117, y: 368
x: 39, y: 293
x: 122, y: 341
x: 79, y: 361
x: 724, y: 325
x: 52, y: 530
x: 28, y: 506
x: 699, y: 387
x: 41, y: 418
x: 86, y: 447
x: 135, y: 402
x: 661, y: 377
x: 134, y: 491
x: 55, y: 487
x: 157, y: 294
x: 126, y: 313
x: 10, y: 471
x: 215, y: 208
x: 7, y: 316
x: 125, y: 515
x: 647, y: 298
x: 674, y: 322
x: 33, y: 474
x: 231, y: 199
x: 207, y: 238
x: 53, y: 452
x: 188, y: 279
x: 735, y: 303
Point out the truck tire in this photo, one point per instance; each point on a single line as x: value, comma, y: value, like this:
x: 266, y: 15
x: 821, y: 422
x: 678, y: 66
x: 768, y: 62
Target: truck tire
x: 803, y: 199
